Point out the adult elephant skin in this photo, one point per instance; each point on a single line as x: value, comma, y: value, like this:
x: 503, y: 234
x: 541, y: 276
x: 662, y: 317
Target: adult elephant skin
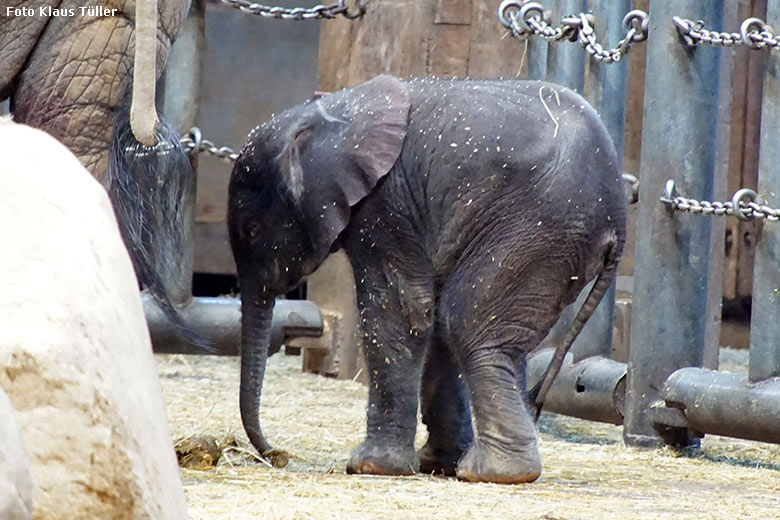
x: 65, y: 74
x: 67, y: 68
x: 473, y: 212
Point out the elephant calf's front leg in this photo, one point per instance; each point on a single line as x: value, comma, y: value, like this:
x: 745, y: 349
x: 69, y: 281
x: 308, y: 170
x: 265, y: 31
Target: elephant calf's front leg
x: 394, y: 349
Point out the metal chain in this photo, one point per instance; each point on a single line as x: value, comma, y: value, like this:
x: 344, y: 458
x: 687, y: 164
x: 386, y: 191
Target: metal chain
x: 193, y: 142
x: 525, y: 18
x: 754, y: 32
x: 744, y: 201
x: 300, y: 13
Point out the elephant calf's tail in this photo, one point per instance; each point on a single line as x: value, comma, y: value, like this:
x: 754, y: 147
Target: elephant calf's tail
x: 152, y: 190
x: 613, y: 250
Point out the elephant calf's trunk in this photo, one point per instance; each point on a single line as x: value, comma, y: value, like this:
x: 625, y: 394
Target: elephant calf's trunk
x: 255, y: 340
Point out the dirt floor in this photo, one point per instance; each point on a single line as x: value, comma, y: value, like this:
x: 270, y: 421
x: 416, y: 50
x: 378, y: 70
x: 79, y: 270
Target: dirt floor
x: 588, y: 472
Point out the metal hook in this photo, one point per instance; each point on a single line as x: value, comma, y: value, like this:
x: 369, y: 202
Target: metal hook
x: 504, y: 16
x: 744, y: 196
x: 670, y: 192
x: 360, y: 9
x: 630, y: 21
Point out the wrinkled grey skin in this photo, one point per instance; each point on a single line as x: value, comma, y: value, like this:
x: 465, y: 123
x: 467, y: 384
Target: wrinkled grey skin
x: 66, y: 74
x: 473, y: 212
x: 70, y: 76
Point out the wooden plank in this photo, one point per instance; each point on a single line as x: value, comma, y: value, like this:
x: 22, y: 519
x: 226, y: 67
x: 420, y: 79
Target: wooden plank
x: 332, y: 287
x: 450, y: 51
x: 748, y: 230
x: 493, y: 52
x: 454, y: 12
x: 336, y: 37
x: 396, y: 40
x: 632, y: 137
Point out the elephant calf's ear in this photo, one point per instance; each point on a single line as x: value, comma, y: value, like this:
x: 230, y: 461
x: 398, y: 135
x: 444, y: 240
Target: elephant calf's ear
x: 378, y: 112
x: 355, y: 139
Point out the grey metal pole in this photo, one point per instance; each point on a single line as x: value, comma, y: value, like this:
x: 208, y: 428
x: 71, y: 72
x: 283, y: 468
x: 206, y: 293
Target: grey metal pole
x: 593, y: 389
x: 678, y: 142
x: 180, y: 101
x: 219, y: 320
x: 606, y: 91
x: 566, y: 60
x: 536, y: 53
x: 721, y: 403
x: 764, y: 322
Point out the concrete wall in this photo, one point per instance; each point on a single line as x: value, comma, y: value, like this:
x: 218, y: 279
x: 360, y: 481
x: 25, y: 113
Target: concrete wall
x: 252, y: 68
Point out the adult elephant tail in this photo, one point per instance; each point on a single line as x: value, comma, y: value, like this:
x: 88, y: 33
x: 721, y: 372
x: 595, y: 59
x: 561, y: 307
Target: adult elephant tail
x: 152, y: 190
x: 611, y: 256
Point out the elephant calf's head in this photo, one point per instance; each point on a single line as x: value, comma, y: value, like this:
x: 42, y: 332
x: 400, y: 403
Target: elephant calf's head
x: 290, y: 196
x: 300, y: 173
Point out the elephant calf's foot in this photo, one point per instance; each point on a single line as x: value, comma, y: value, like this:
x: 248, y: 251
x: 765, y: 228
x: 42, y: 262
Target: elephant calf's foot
x: 439, y: 461
x: 375, y: 459
x: 485, y: 463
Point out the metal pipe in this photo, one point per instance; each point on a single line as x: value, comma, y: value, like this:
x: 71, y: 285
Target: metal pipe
x: 764, y: 325
x: 179, y: 101
x: 219, y: 319
x: 536, y: 53
x: 721, y: 403
x: 565, y: 60
x: 592, y: 389
x: 672, y: 251
x: 607, y: 84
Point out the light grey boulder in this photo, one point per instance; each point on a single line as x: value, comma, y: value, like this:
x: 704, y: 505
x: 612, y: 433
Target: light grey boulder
x: 16, y: 486
x: 75, y: 355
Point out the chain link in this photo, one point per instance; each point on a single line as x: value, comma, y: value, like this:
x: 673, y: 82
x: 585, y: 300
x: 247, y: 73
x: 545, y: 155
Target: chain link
x: 754, y: 32
x: 300, y: 13
x: 193, y: 143
x: 525, y: 19
x: 744, y: 200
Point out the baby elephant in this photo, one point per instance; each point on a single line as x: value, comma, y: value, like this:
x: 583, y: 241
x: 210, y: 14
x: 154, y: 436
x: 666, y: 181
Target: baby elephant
x: 473, y: 212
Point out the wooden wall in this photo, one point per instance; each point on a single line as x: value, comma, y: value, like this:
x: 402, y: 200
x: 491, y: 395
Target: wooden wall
x: 417, y: 38
x: 747, y: 83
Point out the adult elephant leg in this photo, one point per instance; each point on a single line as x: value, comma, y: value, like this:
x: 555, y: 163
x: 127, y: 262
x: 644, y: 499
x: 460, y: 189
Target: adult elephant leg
x: 445, y: 411
x: 395, y: 307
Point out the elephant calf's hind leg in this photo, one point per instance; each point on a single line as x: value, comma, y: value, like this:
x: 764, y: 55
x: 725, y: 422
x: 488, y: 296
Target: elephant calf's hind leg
x: 505, y: 449
x: 445, y: 411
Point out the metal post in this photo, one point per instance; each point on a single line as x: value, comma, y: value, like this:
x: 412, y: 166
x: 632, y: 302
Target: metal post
x: 764, y: 323
x: 607, y: 93
x: 566, y: 60
x: 607, y: 82
x: 179, y: 104
x: 537, y: 53
x: 678, y: 142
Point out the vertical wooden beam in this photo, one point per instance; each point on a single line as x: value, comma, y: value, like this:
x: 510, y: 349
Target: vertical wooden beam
x: 451, y: 37
x: 493, y: 52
